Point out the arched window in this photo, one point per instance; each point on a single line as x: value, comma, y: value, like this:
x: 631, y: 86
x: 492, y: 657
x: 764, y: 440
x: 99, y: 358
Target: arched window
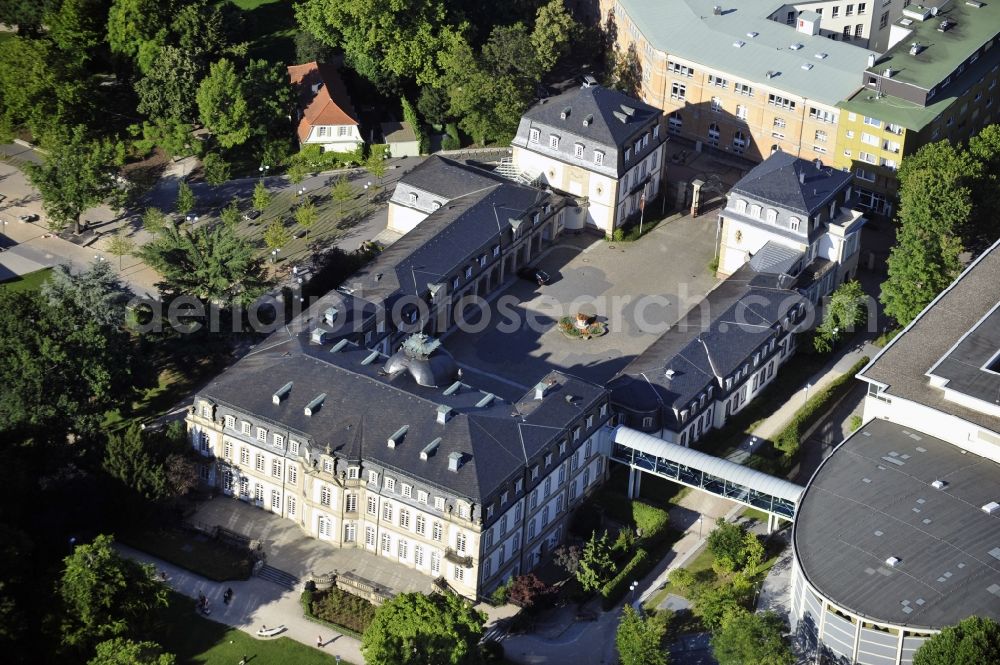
x: 713, y: 134
x: 740, y: 142
x: 772, y: 215
x: 675, y: 122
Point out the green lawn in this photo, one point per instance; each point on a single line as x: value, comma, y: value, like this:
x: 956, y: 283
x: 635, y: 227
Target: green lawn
x: 247, y: 5
x: 754, y: 514
x: 191, y: 551
x: 197, y: 640
x: 29, y: 282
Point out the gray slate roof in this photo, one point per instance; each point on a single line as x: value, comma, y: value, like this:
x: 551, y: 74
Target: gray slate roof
x: 364, y: 407
x: 903, y: 363
x: 448, y: 178
x: 872, y: 499
x: 776, y: 180
x: 743, y: 310
x: 972, y: 366
x: 776, y: 258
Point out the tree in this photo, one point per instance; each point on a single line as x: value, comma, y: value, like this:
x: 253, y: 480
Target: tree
x: 528, y: 591
x: 510, y: 51
x: 129, y: 459
x: 375, y: 165
x: 216, y: 169
x: 171, y: 135
x: 554, y: 28
x: 25, y: 14
x: 222, y: 105
x: 640, y: 639
x: 985, y: 149
x: 727, y: 543
x: 752, y: 555
x: 269, y: 97
x: 971, y: 641
x: 213, y: 264
x: 276, y: 235
x: 935, y: 204
x: 342, y: 192
x: 185, y: 201
x: 121, y: 651
x: 682, y: 579
x: 846, y: 309
x: 95, y: 294
x: 121, y: 245
x: 37, y: 89
x: 77, y: 173
x: 165, y: 90
x: 411, y: 117
x: 230, y: 215
x: 310, y: 49
x: 199, y: 28
x: 77, y: 28
x: 105, y: 594
x: 414, y: 629
x: 714, y: 604
x: 153, y: 219
x: 433, y: 104
x: 134, y: 24
x: 567, y: 557
x: 626, y: 71
x: 261, y: 197
x: 745, y: 637
x: 306, y: 215
x: 596, y: 566
x: 61, y: 368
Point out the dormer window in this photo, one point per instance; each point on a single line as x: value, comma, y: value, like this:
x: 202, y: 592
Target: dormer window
x: 578, y: 150
x: 741, y: 206
x: 598, y: 158
x: 533, y: 135
x: 554, y: 142
x: 413, y: 197
x: 772, y: 215
x: 793, y: 223
x: 755, y: 211
x: 628, y: 155
x: 656, y: 131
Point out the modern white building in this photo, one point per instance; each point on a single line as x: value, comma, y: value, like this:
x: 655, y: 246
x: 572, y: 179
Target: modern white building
x: 897, y: 534
x: 326, y: 115
x: 866, y: 24
x: 798, y: 217
x: 597, y: 143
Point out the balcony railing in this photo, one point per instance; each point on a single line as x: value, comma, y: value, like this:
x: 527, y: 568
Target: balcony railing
x: 460, y: 559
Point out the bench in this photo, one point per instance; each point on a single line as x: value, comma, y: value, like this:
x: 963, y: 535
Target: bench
x: 271, y: 632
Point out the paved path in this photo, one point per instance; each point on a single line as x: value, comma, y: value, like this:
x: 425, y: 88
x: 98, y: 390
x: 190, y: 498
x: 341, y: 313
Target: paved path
x: 255, y: 603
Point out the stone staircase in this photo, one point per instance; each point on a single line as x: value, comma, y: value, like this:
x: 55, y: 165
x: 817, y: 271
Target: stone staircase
x: 511, y: 172
x: 279, y: 577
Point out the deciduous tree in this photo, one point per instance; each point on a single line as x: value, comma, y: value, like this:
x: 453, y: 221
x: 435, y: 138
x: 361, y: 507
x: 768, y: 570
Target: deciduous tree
x: 727, y: 543
x: 105, y: 594
x: 553, y: 31
x: 185, y: 201
x: 216, y: 169
x: 971, y: 641
x: 528, y: 591
x: 415, y: 629
x: 745, y: 637
x: 341, y: 192
x: 596, y: 566
x: 121, y: 245
x: 261, y: 197
x: 846, y: 309
x: 121, y: 651
x: 133, y: 24
x: 306, y: 215
x: 640, y: 639
x: 276, y: 235
x: 78, y: 172
x: 269, y: 96
x: 222, y: 105
x: 166, y: 91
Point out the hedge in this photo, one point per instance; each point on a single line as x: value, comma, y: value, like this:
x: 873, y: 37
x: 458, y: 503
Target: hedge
x: 338, y: 609
x: 635, y: 569
x: 651, y: 521
x: 789, y: 438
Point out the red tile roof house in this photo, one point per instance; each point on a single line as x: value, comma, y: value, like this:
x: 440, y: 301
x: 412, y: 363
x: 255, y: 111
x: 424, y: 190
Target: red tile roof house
x: 326, y: 115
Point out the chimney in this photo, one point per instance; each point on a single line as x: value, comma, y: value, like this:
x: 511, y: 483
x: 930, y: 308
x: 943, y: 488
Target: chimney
x: 454, y: 461
x: 871, y: 60
x: 444, y: 414
x: 802, y: 177
x: 717, y: 10
x: 316, y: 87
x: 542, y: 388
x: 819, y: 164
x: 330, y: 315
x: 485, y: 401
x: 281, y: 393
x: 315, y: 405
x: 318, y: 336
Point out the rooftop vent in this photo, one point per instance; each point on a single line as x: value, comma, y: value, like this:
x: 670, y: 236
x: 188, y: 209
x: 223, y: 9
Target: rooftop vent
x: 485, y: 401
x: 542, y: 388
x: 821, y: 56
x: 621, y: 116
x: 314, y: 406
x: 802, y: 177
x: 939, y: 484
x: 770, y: 74
x: 454, y: 461
x: 888, y: 72
x: 946, y: 25
x: 751, y: 35
x: 628, y: 110
x: 316, y: 87
x: 453, y: 388
x: 330, y: 315
x: 796, y: 46
x: 370, y: 358
x: 430, y: 449
x: 892, y: 561
x: 717, y: 10
x: 339, y: 346
x: 916, y: 48
x: 318, y: 336
x: 669, y: 373
x: 818, y: 163
x: 739, y: 43
x: 445, y: 413
x: 588, y: 121
x: 991, y: 508
x: 974, y: 3
x: 565, y: 113
x: 806, y: 66
x: 871, y: 59
x: 281, y: 393
x: 397, y: 438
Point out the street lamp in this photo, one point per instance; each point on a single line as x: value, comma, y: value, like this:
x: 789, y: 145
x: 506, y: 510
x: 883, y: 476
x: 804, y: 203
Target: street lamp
x: 632, y: 587
x: 263, y: 168
x: 99, y: 258
x: 368, y: 191
x: 274, y: 254
x: 191, y: 219
x: 699, y: 526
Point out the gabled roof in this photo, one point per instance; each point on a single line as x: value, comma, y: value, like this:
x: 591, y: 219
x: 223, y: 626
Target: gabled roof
x: 448, y: 178
x: 614, y: 116
x: 789, y: 182
x: 329, y: 104
x: 776, y: 258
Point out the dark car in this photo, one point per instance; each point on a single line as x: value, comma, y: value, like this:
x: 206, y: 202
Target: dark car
x: 28, y: 218
x: 534, y: 275
x: 251, y: 214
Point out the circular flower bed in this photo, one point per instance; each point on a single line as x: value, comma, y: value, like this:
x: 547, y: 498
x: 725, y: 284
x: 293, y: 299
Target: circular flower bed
x: 581, y: 327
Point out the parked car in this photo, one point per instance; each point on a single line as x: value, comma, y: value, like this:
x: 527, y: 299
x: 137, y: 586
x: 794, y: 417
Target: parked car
x: 28, y: 218
x: 534, y: 275
x: 251, y: 214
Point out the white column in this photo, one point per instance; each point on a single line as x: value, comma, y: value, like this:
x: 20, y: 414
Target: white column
x: 631, y: 482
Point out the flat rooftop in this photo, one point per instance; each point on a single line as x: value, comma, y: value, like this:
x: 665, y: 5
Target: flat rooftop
x: 903, y: 364
x: 872, y: 499
x: 972, y: 366
x: 969, y: 28
x: 690, y: 30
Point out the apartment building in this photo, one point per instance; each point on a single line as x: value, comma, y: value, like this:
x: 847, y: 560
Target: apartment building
x: 936, y: 82
x: 797, y: 217
x: 400, y: 456
x: 715, y: 360
x: 736, y: 80
x: 598, y: 143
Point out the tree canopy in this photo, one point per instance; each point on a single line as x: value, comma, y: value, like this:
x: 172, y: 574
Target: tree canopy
x: 415, y: 629
x: 746, y: 637
x: 971, y: 641
x: 121, y: 651
x: 846, y: 309
x: 596, y: 566
x: 222, y: 105
x: 640, y: 639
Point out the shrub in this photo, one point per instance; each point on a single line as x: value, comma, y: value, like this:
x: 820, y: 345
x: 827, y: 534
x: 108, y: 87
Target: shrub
x: 682, y: 579
x: 529, y: 592
x: 855, y: 423
x: 501, y: 594
x: 613, y: 591
x: 650, y: 521
x: 618, y: 235
x: 216, y: 169
x: 341, y: 608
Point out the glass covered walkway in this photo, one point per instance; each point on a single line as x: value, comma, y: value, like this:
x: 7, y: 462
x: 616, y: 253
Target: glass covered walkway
x: 646, y: 453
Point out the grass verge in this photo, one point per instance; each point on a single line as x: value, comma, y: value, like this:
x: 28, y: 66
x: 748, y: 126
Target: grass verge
x: 199, y: 554
x: 31, y: 281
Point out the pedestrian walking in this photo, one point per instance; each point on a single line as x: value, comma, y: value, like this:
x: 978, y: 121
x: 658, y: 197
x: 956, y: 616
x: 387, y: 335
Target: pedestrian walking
x: 319, y: 641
